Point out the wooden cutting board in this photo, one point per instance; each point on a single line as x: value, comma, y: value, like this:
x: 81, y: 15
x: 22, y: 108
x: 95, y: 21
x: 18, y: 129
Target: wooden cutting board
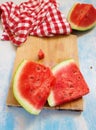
x: 56, y: 49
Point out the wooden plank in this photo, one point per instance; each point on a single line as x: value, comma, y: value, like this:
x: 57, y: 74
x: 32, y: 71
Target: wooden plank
x: 56, y: 49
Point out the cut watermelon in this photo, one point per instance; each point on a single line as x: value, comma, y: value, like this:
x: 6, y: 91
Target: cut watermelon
x: 31, y: 85
x: 70, y: 83
x: 82, y: 16
x: 41, y: 54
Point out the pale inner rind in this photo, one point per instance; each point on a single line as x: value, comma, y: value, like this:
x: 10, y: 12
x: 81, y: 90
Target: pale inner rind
x: 51, y: 100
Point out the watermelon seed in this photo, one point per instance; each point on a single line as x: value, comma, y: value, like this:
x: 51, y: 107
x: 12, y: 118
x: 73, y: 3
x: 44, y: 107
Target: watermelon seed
x: 71, y: 93
x: 79, y: 77
x: 74, y: 71
x: 38, y: 69
x: 44, y: 69
x: 37, y: 79
x: 70, y: 86
x: 31, y: 76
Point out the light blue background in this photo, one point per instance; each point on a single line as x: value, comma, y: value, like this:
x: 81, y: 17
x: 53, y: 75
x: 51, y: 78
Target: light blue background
x: 12, y: 118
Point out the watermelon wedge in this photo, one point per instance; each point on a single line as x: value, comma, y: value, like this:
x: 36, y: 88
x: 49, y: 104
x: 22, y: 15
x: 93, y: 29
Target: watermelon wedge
x: 82, y: 16
x: 31, y: 85
x: 70, y: 83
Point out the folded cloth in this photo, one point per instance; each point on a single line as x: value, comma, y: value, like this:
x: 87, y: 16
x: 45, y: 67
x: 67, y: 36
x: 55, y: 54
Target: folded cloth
x: 34, y: 17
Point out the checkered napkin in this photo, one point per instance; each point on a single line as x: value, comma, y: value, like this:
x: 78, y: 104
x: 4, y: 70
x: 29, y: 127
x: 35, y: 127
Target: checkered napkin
x: 34, y: 17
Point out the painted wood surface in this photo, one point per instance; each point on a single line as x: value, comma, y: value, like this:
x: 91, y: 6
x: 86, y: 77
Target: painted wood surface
x: 18, y: 119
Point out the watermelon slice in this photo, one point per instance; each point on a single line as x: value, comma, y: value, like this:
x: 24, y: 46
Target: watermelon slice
x: 31, y: 85
x: 70, y: 83
x: 82, y: 16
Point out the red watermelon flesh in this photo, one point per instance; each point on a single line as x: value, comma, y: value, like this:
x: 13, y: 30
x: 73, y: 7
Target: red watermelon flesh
x: 41, y: 54
x: 82, y: 16
x: 31, y: 85
x: 70, y: 83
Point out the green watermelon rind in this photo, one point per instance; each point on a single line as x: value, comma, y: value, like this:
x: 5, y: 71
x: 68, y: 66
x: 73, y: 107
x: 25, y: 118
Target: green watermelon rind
x: 25, y: 104
x: 74, y: 26
x: 55, y: 69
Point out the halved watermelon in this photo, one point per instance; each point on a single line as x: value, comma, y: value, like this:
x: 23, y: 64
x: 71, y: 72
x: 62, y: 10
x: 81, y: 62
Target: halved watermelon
x: 70, y: 83
x: 31, y: 85
x: 82, y: 16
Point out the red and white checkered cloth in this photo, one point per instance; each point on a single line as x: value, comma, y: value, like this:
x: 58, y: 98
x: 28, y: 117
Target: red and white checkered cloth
x: 35, y: 17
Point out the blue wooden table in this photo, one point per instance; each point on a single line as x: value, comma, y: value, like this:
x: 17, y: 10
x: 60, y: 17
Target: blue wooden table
x: 12, y: 118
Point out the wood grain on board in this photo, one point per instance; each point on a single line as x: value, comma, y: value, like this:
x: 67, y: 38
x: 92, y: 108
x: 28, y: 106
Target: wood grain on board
x: 56, y: 49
